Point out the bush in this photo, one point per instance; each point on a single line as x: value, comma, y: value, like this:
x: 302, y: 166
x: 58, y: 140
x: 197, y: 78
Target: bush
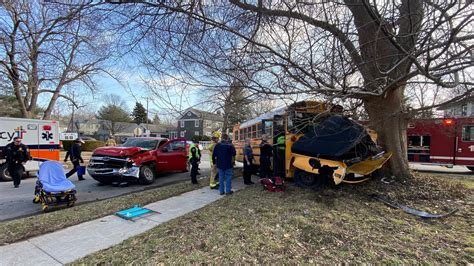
x: 89, y: 145
x: 200, y: 138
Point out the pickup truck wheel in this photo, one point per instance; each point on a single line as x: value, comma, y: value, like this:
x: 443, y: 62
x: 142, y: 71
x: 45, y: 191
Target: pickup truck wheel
x: 147, y: 175
x: 4, y: 174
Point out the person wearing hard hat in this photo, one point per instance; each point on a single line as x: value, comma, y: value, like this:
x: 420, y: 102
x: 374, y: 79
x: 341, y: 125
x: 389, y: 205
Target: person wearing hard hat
x: 110, y: 141
x: 213, y: 179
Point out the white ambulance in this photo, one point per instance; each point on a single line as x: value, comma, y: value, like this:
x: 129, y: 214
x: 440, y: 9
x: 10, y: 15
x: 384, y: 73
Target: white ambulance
x: 41, y: 137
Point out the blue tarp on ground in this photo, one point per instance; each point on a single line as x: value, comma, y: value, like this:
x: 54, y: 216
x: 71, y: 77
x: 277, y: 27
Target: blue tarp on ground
x: 52, y: 177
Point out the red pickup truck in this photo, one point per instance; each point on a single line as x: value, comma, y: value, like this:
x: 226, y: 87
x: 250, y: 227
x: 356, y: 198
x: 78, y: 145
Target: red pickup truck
x: 138, y: 159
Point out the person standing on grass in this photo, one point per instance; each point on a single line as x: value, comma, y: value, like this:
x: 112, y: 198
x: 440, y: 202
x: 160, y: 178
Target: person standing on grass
x: 222, y: 156
x: 16, y: 154
x: 248, y: 163
x: 265, y: 158
x: 76, y: 158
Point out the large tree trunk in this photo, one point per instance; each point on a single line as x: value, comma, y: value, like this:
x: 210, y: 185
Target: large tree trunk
x: 388, y: 118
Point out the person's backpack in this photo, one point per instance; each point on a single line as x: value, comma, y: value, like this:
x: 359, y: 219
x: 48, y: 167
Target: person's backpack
x: 274, y: 184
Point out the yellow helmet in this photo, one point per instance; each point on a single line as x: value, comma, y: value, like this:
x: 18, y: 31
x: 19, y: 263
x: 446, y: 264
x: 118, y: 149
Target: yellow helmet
x: 216, y: 134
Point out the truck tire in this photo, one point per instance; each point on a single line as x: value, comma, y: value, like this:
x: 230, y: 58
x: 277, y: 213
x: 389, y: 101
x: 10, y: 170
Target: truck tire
x: 4, y: 175
x: 147, y: 175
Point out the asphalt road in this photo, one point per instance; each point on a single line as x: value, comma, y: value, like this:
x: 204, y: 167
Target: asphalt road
x: 15, y: 203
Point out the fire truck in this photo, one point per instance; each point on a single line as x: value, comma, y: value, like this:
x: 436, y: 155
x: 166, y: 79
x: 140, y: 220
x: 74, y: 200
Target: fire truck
x: 442, y: 141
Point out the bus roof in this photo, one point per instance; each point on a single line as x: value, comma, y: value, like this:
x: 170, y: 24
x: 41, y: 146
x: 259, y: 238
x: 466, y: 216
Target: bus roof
x: 269, y: 115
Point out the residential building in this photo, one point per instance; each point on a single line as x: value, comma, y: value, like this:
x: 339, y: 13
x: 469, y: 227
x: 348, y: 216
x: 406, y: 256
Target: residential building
x: 196, y: 122
x: 461, y: 108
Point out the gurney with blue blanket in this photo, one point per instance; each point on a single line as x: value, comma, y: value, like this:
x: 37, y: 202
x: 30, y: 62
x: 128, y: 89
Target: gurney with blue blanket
x: 52, y: 186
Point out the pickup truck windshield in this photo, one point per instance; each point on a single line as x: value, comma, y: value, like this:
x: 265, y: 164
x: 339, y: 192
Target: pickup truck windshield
x: 147, y: 144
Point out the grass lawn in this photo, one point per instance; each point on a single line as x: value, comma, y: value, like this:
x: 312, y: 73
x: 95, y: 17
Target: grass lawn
x: 24, y: 228
x: 306, y: 226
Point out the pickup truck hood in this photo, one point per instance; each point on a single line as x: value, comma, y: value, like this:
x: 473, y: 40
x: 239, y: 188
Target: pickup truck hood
x: 117, y: 151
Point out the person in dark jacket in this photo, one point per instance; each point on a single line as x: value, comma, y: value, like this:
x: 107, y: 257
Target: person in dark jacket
x: 265, y: 158
x: 248, y: 163
x: 16, y: 154
x: 194, y: 158
x: 76, y: 158
x: 223, y: 156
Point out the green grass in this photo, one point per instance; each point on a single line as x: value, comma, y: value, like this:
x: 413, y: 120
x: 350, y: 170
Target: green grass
x: 24, y: 228
x: 305, y: 226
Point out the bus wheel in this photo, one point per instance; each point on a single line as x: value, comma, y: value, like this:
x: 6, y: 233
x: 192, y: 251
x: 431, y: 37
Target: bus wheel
x: 307, y: 180
x: 4, y: 174
x: 470, y: 168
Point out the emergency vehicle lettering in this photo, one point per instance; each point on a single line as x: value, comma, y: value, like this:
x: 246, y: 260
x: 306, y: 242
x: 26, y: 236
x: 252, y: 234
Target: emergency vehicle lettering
x: 19, y: 132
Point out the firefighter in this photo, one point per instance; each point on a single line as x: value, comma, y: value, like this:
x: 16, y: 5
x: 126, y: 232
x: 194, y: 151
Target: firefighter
x: 110, y: 141
x: 76, y: 158
x: 194, y: 156
x: 16, y: 154
x: 265, y: 158
x: 279, y: 158
x: 213, y: 180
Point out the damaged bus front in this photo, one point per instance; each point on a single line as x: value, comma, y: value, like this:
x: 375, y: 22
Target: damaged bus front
x: 319, y: 145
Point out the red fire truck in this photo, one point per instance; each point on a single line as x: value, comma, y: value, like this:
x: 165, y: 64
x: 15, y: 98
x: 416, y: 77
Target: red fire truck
x: 442, y: 141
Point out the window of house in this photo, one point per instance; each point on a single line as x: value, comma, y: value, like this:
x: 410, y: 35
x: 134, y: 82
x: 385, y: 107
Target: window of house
x: 464, y: 110
x: 468, y: 133
x: 196, y: 133
x: 181, y: 134
x: 182, y: 123
x: 196, y: 123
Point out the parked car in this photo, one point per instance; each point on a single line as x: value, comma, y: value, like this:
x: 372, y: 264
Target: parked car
x: 138, y: 159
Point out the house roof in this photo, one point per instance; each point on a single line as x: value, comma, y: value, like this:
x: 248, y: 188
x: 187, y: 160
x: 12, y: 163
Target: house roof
x: 448, y: 105
x: 206, y: 115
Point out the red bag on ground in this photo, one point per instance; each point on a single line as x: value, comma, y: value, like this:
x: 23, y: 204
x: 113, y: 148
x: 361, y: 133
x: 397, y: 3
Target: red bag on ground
x: 274, y: 184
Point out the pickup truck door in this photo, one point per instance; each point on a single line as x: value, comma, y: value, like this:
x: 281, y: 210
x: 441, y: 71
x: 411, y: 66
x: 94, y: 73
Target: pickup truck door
x: 172, y: 156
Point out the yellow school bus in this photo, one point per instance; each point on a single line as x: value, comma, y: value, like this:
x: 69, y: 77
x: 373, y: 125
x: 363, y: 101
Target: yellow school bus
x: 318, y: 145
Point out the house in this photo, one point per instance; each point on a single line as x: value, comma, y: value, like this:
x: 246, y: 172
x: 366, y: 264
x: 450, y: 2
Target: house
x: 196, y: 122
x: 461, y: 108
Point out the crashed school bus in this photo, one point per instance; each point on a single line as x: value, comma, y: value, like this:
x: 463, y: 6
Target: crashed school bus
x: 318, y: 145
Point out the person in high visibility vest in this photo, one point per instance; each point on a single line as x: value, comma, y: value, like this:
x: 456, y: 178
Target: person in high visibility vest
x: 194, y: 157
x: 213, y: 179
x: 279, y: 157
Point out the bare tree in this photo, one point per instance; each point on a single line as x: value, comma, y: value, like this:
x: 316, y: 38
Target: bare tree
x: 369, y: 50
x: 45, y: 47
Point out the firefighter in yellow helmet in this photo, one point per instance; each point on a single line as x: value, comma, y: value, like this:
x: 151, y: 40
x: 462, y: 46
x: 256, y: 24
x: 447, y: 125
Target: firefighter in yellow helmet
x: 213, y: 183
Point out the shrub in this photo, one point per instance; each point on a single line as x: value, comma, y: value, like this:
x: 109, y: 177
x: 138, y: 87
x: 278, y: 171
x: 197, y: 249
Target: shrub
x: 89, y: 145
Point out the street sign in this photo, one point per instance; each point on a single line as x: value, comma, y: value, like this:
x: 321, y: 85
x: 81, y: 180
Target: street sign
x: 68, y: 136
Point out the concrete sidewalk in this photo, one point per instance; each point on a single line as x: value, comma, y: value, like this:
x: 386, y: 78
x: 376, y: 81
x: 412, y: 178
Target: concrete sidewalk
x: 78, y: 241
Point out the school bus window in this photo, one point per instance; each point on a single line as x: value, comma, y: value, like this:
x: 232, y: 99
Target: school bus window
x: 259, y: 130
x: 468, y: 133
x: 254, y: 131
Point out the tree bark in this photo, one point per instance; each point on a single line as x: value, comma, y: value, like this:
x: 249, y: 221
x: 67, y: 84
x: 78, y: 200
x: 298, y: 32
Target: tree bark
x: 389, y: 119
